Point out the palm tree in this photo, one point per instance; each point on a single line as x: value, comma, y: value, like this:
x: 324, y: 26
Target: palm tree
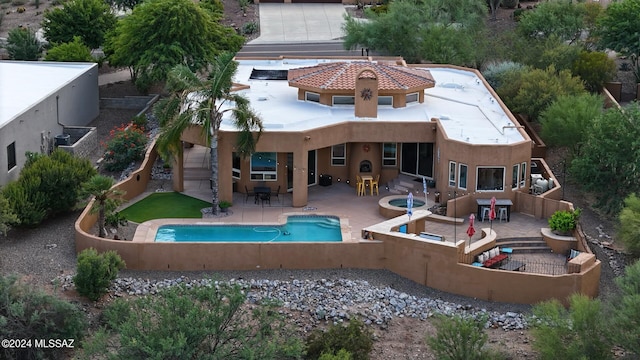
x: 204, y: 100
x: 107, y: 198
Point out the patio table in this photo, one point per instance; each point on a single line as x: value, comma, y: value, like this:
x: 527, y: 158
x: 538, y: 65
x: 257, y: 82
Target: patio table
x: 260, y: 191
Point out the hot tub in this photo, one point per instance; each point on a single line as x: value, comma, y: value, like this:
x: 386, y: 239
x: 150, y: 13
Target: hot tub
x: 396, y: 205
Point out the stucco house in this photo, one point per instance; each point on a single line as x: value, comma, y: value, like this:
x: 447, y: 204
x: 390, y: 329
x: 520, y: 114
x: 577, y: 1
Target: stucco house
x: 37, y: 100
x: 347, y: 117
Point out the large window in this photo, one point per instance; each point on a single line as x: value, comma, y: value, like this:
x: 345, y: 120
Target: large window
x: 452, y: 173
x: 385, y: 100
x: 417, y: 159
x: 523, y: 174
x: 264, y: 166
x: 462, y: 176
x: 11, y: 156
x: 389, y: 154
x: 343, y: 100
x: 515, y: 174
x: 490, y: 179
x: 235, y: 167
x: 338, y: 155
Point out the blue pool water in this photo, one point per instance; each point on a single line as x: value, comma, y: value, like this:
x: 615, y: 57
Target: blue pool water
x: 297, y: 229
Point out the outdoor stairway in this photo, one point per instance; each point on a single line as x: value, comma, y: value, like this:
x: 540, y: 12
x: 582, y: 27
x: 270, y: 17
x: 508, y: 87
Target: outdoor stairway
x: 403, y: 184
x: 524, y: 245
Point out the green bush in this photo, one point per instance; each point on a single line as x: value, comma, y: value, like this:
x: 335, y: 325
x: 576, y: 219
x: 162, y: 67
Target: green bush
x: 26, y: 313
x: 594, y: 68
x: 629, y: 225
x: 250, y: 28
x: 341, y: 355
x: 564, y: 221
x: 127, y: 145
x: 22, y: 44
x: 578, y: 333
x: 459, y: 338
x: 141, y: 122
x: 379, y: 9
x: 7, y: 217
x: 95, y: 272
x: 202, y: 322
x: 510, y: 4
x: 74, y: 51
x: 626, y: 311
x: 27, y: 203
x: 355, y: 338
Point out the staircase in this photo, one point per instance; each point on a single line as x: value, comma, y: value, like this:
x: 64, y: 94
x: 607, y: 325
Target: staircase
x: 525, y: 245
x: 403, y: 184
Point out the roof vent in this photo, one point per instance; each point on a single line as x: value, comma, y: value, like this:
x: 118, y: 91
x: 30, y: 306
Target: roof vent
x: 262, y: 98
x: 444, y: 117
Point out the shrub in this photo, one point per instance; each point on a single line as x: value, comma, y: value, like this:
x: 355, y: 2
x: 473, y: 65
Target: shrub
x: 7, y: 217
x: 27, y: 203
x: 126, y: 145
x: 31, y: 314
x: 626, y: 310
x: 578, y: 333
x: 141, y: 122
x: 629, y: 225
x: 249, y: 28
x: 202, y: 322
x: 460, y: 338
x: 74, y: 51
x: 510, y: 4
x: 594, y: 68
x: 355, y: 338
x: 22, y: 44
x: 95, y: 272
x: 564, y: 221
x: 496, y: 72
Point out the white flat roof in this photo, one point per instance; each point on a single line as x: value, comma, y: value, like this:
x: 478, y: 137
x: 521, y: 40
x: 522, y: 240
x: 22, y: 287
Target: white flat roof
x: 25, y: 83
x: 467, y: 110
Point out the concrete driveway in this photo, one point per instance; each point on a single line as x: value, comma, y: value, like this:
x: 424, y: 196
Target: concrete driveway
x: 301, y: 23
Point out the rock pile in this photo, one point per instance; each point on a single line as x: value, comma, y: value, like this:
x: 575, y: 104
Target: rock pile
x: 327, y: 300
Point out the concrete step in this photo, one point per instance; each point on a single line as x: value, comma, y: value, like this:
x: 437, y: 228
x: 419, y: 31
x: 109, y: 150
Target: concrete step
x: 525, y: 245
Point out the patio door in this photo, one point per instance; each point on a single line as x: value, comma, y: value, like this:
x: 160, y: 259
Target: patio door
x: 417, y: 159
x: 311, y: 174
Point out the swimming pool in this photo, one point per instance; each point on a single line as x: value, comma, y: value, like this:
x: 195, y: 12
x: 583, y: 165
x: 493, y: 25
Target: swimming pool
x: 298, y: 228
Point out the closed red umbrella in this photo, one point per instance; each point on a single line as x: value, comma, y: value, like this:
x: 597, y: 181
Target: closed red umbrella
x: 492, y: 213
x: 471, y: 230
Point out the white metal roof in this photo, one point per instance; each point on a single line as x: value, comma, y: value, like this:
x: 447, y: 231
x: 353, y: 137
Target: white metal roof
x: 466, y: 108
x: 25, y: 83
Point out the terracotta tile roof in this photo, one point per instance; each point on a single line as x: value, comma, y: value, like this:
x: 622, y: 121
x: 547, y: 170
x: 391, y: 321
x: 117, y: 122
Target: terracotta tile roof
x: 342, y: 76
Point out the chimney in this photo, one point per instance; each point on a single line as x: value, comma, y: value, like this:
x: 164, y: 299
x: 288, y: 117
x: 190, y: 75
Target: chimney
x: 366, y: 95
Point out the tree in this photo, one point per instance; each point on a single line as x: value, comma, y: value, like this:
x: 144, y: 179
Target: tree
x: 89, y: 19
x: 539, y: 88
x: 561, y: 19
x: 607, y: 163
x: 160, y: 34
x: 629, y: 228
x: 619, y: 29
x: 22, y: 44
x: 594, y: 68
x: 459, y: 338
x: 71, y: 51
x: 433, y: 30
x: 95, y: 272
x: 107, y: 198
x: 204, y: 102
x: 568, y: 119
x: 577, y: 333
x: 543, y: 53
x: 7, y: 216
x: 626, y: 314
x: 200, y: 322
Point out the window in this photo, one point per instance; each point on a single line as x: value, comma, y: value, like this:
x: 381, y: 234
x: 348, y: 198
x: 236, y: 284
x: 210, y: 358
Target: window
x: 389, y: 154
x: 264, y: 166
x: 385, y: 100
x: 411, y: 98
x: 339, y: 155
x: 523, y: 174
x: 490, y: 179
x: 235, y: 166
x: 452, y: 173
x: 343, y: 100
x: 311, y: 96
x: 11, y: 156
x: 516, y: 172
x: 462, y: 177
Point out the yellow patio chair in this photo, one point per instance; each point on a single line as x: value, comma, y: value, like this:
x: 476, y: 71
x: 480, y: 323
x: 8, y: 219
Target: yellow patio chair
x: 374, y: 185
x: 359, y: 186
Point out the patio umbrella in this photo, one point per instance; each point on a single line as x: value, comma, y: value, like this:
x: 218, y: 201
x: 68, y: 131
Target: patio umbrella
x: 492, y: 213
x: 424, y: 189
x: 471, y: 230
x: 410, y: 205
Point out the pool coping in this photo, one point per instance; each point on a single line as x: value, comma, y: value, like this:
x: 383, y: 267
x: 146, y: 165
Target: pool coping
x: 389, y: 211
x: 146, y: 231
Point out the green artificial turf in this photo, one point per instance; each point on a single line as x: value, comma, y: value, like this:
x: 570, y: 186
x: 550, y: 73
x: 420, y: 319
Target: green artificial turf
x: 165, y: 205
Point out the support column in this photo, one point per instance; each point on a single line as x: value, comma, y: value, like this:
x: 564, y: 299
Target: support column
x: 225, y: 166
x: 300, y: 178
x: 177, y: 175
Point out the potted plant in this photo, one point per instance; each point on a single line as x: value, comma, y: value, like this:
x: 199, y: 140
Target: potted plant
x: 224, y: 206
x: 563, y: 222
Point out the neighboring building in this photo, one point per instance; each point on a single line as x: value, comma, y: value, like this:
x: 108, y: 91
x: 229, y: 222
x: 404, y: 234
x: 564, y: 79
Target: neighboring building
x: 38, y: 99
x: 348, y: 117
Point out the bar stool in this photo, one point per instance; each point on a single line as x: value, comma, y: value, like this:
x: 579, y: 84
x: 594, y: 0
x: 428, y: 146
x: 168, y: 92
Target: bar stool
x: 374, y: 185
x: 502, y: 214
x: 485, y: 213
